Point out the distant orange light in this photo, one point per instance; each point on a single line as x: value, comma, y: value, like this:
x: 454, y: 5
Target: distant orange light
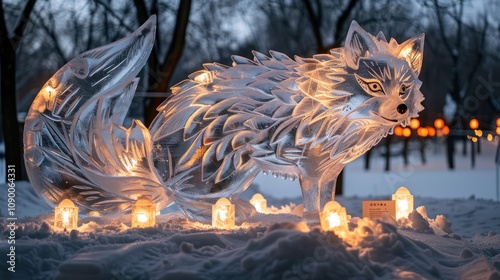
x: 446, y: 130
x: 432, y: 131
x: 439, y: 123
x: 398, y: 131
x: 498, y: 122
x: 406, y: 132
x: 474, y: 124
x: 422, y: 132
x: 414, y: 123
x: 498, y: 130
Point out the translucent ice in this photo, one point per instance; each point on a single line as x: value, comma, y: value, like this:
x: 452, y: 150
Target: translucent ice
x: 304, y: 118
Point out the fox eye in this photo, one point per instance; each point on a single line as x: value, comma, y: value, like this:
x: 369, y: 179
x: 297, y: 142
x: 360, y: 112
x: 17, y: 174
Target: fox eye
x: 375, y: 87
x: 403, y: 89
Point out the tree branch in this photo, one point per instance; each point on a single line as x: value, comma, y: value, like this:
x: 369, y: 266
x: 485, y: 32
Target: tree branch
x: 315, y: 24
x: 22, y: 22
x: 342, y: 20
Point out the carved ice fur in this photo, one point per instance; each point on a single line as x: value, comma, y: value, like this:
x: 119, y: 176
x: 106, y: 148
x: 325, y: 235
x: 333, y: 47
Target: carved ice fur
x: 304, y: 118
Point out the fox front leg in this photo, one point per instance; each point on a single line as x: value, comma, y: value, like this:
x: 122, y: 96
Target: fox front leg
x: 316, y: 192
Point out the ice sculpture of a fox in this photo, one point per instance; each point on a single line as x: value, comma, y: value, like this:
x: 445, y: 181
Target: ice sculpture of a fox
x: 302, y: 118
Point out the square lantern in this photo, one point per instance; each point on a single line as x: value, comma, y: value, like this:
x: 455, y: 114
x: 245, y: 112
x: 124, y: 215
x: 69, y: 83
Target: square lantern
x: 259, y: 202
x: 143, y: 213
x: 223, y: 214
x: 66, y: 215
x: 334, y: 218
x: 404, y: 202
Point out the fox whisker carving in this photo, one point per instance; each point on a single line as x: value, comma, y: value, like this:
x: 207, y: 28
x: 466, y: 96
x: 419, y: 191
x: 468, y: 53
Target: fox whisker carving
x: 302, y: 118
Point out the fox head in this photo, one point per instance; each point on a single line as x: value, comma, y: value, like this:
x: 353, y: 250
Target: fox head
x: 386, y: 74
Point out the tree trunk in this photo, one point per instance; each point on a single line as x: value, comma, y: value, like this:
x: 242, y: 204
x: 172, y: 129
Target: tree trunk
x: 8, y: 45
x: 9, y: 107
x: 165, y: 71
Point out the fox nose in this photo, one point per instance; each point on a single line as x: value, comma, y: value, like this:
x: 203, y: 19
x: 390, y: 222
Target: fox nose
x: 402, y: 108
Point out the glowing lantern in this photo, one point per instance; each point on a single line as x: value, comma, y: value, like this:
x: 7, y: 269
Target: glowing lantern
x: 406, y: 132
x: 498, y: 122
x: 404, y: 202
x: 446, y: 130
x: 432, y: 131
x: 498, y: 130
x: 223, y: 214
x: 398, y: 131
x: 334, y: 218
x: 422, y: 132
x: 143, y: 213
x: 439, y: 123
x: 414, y: 123
x: 489, y: 137
x: 259, y: 202
x: 66, y: 215
x: 474, y: 124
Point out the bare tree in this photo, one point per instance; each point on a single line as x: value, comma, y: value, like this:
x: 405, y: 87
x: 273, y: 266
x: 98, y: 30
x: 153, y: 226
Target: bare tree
x: 453, y: 31
x: 161, y: 71
x: 8, y: 46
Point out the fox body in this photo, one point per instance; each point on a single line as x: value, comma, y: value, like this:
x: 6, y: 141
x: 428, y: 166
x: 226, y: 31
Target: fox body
x: 302, y: 118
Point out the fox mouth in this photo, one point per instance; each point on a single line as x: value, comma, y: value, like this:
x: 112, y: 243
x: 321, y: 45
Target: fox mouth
x: 386, y: 119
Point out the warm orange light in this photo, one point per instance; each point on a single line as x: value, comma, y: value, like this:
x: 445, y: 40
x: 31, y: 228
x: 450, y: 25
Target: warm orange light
x: 489, y: 137
x: 259, y: 202
x: 223, y: 214
x: 334, y: 218
x: 143, y: 213
x: 414, y: 123
x: 66, y: 215
x: 398, y: 131
x: 498, y: 122
x: 446, y: 130
x: 422, y: 132
x: 498, y: 130
x: 474, y: 124
x: 478, y: 132
x: 439, y: 123
x: 404, y: 202
x: 432, y: 131
x: 406, y: 132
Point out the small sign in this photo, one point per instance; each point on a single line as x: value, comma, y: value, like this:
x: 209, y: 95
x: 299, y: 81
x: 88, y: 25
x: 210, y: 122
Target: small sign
x: 374, y: 209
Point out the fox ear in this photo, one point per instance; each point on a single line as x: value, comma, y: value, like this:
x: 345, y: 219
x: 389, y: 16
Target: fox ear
x: 358, y: 43
x: 412, y: 51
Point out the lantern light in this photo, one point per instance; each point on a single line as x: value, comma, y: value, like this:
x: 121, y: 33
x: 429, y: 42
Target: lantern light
x: 439, y: 123
x: 404, y: 202
x: 498, y: 130
x: 446, y: 130
x: 398, y: 131
x: 489, y: 137
x: 259, y: 202
x: 414, y: 123
x: 474, y: 124
x: 334, y: 218
x: 66, y: 215
x: 432, y: 131
x: 422, y: 132
x: 143, y: 213
x: 223, y: 214
x: 498, y: 122
x: 406, y: 132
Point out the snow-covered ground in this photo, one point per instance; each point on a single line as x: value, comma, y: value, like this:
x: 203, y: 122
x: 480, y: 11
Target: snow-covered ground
x: 454, y: 235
